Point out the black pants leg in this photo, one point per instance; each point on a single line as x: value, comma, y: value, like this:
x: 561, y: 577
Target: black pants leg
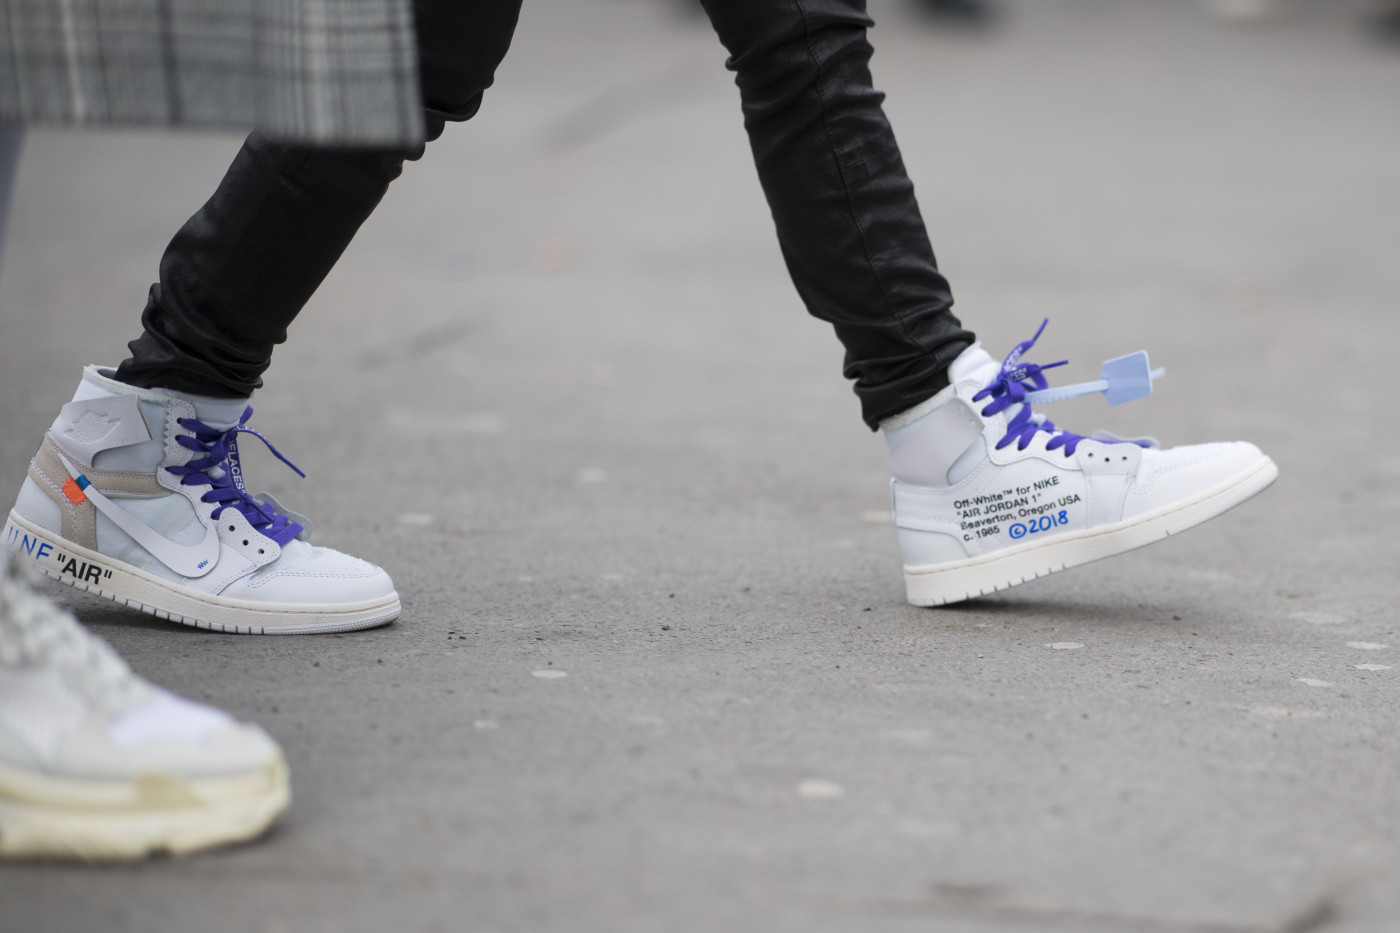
x: 845, y: 212
x: 241, y: 269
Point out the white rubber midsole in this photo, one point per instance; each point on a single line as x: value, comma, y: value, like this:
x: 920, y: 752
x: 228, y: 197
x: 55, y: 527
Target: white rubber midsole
x: 937, y: 584
x: 46, y: 815
x: 119, y: 581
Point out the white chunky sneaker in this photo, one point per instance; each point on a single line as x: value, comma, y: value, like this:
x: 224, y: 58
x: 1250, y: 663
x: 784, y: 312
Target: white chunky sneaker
x: 988, y: 494
x: 138, y: 495
x: 97, y: 763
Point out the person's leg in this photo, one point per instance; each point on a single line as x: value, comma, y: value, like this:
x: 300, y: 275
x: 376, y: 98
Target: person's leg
x: 847, y: 220
x: 137, y: 492
x: 242, y: 268
x: 239, y: 270
x: 986, y: 493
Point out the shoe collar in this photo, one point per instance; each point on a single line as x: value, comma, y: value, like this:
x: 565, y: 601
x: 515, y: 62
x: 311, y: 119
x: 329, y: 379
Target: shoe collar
x: 221, y: 413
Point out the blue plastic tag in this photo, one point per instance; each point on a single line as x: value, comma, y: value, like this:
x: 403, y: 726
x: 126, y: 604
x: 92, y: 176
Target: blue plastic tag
x: 1128, y: 377
x: 1124, y: 379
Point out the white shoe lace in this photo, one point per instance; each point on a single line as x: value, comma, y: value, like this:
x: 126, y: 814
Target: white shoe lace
x: 36, y: 632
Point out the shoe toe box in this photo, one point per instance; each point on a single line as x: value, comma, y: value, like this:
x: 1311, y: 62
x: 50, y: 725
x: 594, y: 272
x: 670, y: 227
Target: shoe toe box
x: 310, y: 575
x: 167, y: 737
x: 1178, y: 474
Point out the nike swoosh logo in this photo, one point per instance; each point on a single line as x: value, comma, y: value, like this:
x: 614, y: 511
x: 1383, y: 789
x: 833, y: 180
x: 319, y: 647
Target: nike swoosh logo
x: 194, y: 560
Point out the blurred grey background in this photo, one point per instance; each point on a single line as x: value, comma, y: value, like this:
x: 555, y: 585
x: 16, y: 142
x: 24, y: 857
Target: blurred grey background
x: 562, y: 389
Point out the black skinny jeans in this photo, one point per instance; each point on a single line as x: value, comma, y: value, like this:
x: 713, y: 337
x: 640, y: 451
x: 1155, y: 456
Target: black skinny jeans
x: 241, y: 269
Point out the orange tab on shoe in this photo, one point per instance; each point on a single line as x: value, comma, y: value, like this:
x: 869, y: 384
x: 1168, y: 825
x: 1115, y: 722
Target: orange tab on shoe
x: 73, y: 491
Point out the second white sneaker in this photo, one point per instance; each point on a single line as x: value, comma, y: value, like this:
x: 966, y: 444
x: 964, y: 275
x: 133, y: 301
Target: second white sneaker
x: 988, y: 493
x: 138, y: 495
x: 97, y: 763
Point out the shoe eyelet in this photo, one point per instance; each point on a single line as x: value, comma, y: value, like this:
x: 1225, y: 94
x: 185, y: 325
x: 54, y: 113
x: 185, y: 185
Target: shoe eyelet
x: 232, y: 528
x: 245, y: 543
x: 261, y: 551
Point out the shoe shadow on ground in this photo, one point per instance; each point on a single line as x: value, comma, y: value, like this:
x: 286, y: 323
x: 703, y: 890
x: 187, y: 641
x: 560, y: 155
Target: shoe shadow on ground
x: 159, y: 861
x: 1009, y: 610
x: 1037, y: 613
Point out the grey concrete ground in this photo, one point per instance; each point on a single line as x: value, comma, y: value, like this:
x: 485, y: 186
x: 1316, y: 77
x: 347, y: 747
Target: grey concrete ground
x: 562, y: 389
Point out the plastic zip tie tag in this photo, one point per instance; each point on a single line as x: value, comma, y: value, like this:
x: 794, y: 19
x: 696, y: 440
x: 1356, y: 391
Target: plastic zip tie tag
x: 1122, y: 379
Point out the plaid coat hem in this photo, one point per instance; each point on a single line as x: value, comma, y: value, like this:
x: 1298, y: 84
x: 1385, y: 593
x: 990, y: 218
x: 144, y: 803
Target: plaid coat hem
x: 318, y: 71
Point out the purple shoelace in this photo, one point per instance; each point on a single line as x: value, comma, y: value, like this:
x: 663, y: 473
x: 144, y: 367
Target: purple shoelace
x: 220, y: 449
x: 1012, y: 386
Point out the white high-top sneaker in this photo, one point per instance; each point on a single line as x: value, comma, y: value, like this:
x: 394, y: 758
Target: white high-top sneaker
x: 97, y: 763
x: 138, y: 495
x: 988, y: 494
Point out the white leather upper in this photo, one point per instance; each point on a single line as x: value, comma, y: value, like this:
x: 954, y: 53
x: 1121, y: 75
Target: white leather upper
x: 1014, y: 496
x: 250, y: 566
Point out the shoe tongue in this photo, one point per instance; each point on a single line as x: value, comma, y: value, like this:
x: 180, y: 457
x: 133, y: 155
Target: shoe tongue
x: 974, y: 363
x: 218, y: 413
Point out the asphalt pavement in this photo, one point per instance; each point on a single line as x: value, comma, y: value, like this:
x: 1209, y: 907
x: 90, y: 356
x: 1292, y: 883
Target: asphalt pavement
x: 655, y: 670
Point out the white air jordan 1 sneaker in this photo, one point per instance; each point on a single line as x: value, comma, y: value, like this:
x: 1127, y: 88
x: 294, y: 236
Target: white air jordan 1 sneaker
x: 988, y: 493
x: 138, y: 495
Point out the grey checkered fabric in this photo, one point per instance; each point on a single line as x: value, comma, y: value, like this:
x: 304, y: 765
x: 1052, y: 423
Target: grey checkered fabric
x: 322, y: 71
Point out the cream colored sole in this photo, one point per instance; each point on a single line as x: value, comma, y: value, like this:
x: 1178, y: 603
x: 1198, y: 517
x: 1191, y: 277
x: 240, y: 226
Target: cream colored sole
x: 131, y: 586
x: 50, y: 817
x: 939, y: 584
